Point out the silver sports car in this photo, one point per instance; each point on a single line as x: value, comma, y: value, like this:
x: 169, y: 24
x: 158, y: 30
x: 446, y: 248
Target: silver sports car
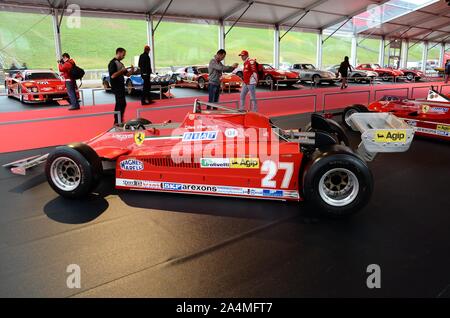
x: 308, y: 72
x: 358, y: 76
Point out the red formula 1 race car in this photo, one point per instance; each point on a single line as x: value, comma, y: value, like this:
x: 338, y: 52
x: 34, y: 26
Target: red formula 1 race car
x: 386, y: 74
x: 430, y: 117
x: 36, y: 86
x: 226, y: 152
x: 197, y: 77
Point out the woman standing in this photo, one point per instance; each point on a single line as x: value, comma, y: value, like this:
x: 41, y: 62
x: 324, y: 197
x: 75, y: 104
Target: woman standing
x: 344, y: 68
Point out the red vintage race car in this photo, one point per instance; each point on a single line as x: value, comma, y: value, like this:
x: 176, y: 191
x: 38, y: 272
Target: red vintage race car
x: 430, y: 117
x: 36, y: 86
x: 272, y: 75
x: 226, y: 152
x: 412, y: 74
x: 197, y: 77
x: 386, y: 74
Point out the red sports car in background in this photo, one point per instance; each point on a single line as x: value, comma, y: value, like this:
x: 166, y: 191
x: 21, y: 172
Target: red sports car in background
x: 386, y: 74
x: 269, y: 73
x: 197, y: 77
x: 412, y: 74
x: 430, y: 117
x: 36, y: 86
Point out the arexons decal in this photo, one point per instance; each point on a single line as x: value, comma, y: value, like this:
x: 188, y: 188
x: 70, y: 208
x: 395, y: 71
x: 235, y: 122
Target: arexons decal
x: 131, y: 165
x: 208, y: 189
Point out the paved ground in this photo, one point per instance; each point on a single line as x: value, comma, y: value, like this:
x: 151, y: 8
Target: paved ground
x: 166, y: 245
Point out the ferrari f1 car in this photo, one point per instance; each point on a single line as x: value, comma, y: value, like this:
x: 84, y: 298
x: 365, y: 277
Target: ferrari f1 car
x: 135, y: 83
x: 227, y: 152
x: 429, y: 117
x: 36, y: 86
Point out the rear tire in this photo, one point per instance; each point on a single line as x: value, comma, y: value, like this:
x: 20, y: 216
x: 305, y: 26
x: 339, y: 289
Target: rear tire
x: 73, y: 171
x: 201, y: 83
x: 106, y: 85
x: 385, y: 77
x: 337, y: 182
x: 316, y: 79
x: 350, y: 110
x: 409, y: 76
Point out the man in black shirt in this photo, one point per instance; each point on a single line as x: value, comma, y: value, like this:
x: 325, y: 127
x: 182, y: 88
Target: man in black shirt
x: 117, y: 71
x: 146, y: 70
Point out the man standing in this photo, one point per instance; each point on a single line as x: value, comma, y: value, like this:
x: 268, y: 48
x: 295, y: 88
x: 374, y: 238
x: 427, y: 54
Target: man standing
x: 146, y: 70
x: 65, y: 66
x: 117, y: 71
x: 215, y: 70
x: 250, y: 74
x: 447, y: 71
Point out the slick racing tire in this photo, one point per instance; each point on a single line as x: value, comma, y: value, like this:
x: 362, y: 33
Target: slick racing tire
x: 337, y: 182
x: 73, y: 171
x: 350, y: 110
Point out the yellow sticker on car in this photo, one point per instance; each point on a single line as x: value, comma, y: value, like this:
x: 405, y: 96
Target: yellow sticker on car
x: 443, y: 127
x: 244, y: 163
x: 390, y: 136
x: 139, y: 138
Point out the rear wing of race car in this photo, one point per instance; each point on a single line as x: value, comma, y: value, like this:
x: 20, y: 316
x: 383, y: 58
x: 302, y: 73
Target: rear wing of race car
x: 381, y: 132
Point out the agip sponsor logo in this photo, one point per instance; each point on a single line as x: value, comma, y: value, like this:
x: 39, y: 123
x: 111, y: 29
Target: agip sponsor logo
x: 390, y: 136
x: 131, y: 165
x: 225, y: 163
x: 244, y: 163
x: 445, y: 128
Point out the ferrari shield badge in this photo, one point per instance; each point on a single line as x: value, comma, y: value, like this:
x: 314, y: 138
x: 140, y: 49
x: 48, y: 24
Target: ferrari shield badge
x: 139, y: 138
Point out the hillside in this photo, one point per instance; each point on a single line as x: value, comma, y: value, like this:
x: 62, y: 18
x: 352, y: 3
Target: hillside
x: 93, y: 44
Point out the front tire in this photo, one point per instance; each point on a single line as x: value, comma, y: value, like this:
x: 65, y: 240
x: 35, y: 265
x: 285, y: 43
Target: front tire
x: 339, y: 184
x: 130, y: 88
x: 73, y: 171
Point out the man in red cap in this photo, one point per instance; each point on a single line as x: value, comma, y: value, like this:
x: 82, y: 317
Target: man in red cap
x: 146, y: 70
x: 250, y: 74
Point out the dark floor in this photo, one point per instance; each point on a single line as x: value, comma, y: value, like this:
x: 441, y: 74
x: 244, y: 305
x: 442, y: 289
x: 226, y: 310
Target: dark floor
x: 167, y: 245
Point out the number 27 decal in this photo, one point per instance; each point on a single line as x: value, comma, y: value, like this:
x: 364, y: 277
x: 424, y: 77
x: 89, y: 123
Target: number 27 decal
x: 270, y: 168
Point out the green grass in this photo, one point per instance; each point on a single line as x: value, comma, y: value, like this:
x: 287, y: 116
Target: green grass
x: 93, y: 44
